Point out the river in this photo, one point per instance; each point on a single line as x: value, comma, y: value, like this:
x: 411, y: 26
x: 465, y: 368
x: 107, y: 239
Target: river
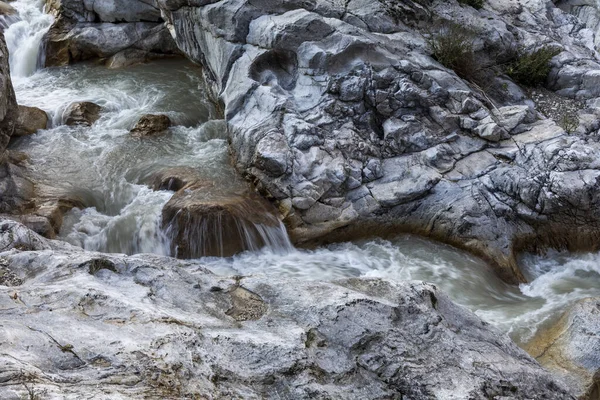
x: 108, y: 170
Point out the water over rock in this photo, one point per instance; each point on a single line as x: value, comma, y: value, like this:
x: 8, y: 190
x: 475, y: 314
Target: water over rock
x: 571, y: 348
x: 30, y: 120
x: 80, y: 324
x: 204, y: 222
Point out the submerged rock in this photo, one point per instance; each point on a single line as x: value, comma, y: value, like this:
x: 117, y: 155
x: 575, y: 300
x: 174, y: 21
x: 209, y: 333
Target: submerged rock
x: 571, y: 348
x: 82, y: 113
x: 30, y: 120
x: 78, y: 324
x: 151, y: 125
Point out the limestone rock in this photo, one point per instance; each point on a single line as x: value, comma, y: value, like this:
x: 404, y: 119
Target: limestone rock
x: 571, y: 348
x: 82, y: 113
x: 151, y: 125
x: 110, y: 326
x: 30, y: 120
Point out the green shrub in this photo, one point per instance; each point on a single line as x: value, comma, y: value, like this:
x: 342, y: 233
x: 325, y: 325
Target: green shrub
x: 452, y: 47
x: 532, y: 69
x: 477, y: 4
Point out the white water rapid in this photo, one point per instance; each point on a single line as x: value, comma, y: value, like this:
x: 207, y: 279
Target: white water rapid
x: 107, y: 169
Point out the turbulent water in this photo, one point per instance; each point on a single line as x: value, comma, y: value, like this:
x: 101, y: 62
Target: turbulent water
x: 107, y: 169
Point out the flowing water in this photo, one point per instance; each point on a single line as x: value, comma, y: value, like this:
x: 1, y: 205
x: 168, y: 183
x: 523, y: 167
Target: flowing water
x: 108, y: 170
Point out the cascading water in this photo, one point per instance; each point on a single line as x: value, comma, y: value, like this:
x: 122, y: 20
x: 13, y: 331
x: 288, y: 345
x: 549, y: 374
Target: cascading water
x: 24, y: 34
x: 109, y: 171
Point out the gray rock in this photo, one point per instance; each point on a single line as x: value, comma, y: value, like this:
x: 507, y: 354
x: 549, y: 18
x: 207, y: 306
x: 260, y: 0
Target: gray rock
x: 79, y: 324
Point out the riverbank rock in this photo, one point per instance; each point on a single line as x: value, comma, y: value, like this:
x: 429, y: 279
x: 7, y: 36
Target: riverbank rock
x: 571, y: 348
x: 30, y: 120
x: 77, y: 324
x: 82, y: 113
x: 339, y: 112
x: 203, y: 222
x: 151, y: 125
x: 100, y: 30
x: 8, y: 102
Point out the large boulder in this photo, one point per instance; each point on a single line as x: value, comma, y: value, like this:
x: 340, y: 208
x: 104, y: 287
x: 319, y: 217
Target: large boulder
x: 102, y: 29
x: 30, y: 120
x: 338, y: 111
x: 87, y: 325
x: 571, y: 348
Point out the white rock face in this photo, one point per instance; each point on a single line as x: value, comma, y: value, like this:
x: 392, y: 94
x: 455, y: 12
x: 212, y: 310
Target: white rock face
x: 78, y: 325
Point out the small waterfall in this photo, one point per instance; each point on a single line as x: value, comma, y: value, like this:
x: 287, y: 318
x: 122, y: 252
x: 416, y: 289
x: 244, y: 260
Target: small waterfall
x: 24, y: 35
x: 222, y: 228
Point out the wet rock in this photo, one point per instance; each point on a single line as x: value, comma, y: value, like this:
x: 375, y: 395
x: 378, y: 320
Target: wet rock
x: 571, y: 348
x: 30, y: 120
x: 181, y: 332
x: 203, y: 223
x: 151, y: 125
x: 82, y: 113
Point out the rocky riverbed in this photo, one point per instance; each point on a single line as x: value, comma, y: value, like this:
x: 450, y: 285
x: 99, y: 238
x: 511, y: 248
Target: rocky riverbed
x: 325, y: 120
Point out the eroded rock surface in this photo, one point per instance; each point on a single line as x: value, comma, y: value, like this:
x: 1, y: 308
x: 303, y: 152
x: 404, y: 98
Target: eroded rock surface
x: 571, y: 348
x: 338, y: 111
x: 78, y: 324
x: 101, y: 29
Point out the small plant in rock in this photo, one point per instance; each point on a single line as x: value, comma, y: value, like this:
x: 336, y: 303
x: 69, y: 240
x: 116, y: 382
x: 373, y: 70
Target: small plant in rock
x: 532, y: 69
x: 569, y: 123
x: 476, y: 4
x: 452, y: 46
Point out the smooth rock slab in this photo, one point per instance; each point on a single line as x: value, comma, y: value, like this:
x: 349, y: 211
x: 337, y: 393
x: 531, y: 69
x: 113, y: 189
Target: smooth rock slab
x: 571, y: 348
x: 78, y: 325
